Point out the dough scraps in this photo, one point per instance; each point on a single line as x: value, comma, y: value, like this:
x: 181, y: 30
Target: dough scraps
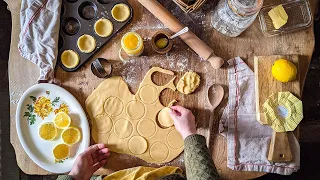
x: 70, y: 59
x: 103, y: 27
x: 189, y: 82
x: 120, y: 12
x: 134, y: 129
x: 86, y: 43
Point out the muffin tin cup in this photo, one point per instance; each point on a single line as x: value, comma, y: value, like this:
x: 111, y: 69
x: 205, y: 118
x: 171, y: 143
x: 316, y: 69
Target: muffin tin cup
x: 78, y: 18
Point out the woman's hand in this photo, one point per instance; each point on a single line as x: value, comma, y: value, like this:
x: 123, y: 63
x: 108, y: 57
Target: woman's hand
x: 184, y: 121
x: 88, y: 162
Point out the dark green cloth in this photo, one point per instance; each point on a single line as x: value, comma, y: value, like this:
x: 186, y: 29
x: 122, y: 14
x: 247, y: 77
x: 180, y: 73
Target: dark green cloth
x: 198, y: 162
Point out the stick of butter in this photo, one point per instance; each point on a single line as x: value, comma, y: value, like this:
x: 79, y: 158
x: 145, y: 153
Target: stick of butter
x: 278, y: 16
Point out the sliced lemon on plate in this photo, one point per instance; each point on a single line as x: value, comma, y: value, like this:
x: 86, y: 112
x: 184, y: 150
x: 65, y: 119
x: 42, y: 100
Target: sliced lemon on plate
x: 71, y: 135
x: 61, y: 152
x: 47, y: 131
x: 62, y: 120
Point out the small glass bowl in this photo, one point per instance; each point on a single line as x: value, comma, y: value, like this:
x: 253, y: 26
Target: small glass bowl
x: 299, y: 14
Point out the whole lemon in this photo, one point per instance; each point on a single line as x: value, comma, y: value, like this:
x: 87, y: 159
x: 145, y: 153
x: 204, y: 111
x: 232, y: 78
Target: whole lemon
x: 284, y: 70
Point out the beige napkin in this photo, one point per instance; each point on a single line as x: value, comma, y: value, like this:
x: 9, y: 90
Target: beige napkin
x: 248, y: 140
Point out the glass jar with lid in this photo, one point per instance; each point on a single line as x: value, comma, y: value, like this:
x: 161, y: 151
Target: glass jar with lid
x: 232, y: 17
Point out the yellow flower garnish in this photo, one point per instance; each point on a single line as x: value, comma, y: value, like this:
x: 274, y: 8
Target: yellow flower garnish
x: 43, y: 107
x: 63, y: 108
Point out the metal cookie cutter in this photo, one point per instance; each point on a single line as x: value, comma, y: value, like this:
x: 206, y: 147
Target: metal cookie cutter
x: 99, y: 70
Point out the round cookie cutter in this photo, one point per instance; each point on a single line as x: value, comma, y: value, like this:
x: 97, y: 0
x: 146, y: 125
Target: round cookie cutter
x: 99, y: 70
x: 158, y: 35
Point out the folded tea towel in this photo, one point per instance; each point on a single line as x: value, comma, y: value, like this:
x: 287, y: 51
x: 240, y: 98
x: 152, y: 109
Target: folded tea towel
x: 248, y: 140
x: 40, y: 22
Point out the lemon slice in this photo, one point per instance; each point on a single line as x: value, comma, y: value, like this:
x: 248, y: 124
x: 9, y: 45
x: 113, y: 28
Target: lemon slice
x: 61, y: 152
x: 70, y: 59
x: 62, y: 120
x: 71, y: 135
x: 47, y: 131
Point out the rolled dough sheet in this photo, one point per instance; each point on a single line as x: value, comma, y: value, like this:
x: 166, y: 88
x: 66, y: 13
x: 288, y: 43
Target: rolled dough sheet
x: 127, y: 123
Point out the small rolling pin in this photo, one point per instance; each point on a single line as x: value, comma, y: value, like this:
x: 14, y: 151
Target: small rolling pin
x: 170, y: 21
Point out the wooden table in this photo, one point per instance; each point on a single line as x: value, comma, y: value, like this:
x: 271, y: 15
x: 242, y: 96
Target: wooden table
x: 23, y: 74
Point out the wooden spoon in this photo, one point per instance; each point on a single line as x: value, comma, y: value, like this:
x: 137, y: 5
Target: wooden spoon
x: 215, y: 96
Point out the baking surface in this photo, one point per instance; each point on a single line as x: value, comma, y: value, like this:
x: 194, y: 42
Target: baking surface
x: 181, y: 59
x: 266, y: 84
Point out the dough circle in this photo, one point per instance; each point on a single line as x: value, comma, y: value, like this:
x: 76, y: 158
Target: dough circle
x: 103, y: 27
x: 135, y: 110
x: 116, y: 144
x: 189, y: 82
x: 120, y: 12
x: 70, y: 59
x: 149, y: 94
x: 123, y: 128
x: 86, y: 43
x: 159, y: 151
x: 137, y: 145
x: 102, y: 123
x: 113, y: 106
x: 164, y: 118
x: 146, y: 128
x: 174, y: 139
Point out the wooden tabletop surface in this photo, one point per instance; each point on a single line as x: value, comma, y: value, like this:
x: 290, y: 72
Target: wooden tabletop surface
x: 23, y: 74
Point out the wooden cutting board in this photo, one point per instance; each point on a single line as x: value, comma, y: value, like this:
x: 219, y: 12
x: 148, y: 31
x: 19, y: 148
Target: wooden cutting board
x: 280, y: 150
x: 266, y: 84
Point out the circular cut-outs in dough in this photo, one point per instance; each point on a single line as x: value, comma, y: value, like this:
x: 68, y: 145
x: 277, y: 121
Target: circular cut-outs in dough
x: 116, y: 144
x: 99, y: 137
x: 174, y: 139
x: 102, y: 123
x: 164, y: 118
x: 120, y: 12
x: 70, y: 59
x: 123, y: 128
x: 159, y: 151
x: 103, y: 27
x: 135, y: 109
x: 137, y: 145
x: 113, y: 106
x: 146, y: 128
x: 149, y: 94
x: 86, y: 43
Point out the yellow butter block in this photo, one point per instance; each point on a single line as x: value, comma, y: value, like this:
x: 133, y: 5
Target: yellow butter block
x: 278, y: 16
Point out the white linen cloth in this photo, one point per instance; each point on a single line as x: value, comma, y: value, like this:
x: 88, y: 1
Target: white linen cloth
x: 40, y: 22
x: 248, y: 140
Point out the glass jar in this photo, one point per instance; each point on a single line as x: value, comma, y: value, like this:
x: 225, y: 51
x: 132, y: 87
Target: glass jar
x: 132, y: 44
x: 232, y: 17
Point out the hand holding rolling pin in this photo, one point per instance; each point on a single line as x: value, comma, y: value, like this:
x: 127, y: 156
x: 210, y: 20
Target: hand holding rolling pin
x: 170, y: 21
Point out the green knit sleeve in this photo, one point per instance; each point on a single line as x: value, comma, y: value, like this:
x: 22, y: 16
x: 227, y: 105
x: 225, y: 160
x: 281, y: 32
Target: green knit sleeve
x: 64, y: 177
x: 198, y: 161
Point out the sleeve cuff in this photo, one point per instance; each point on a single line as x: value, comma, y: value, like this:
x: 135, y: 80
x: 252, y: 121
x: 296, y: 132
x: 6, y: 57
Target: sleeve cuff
x: 64, y: 177
x: 194, y: 138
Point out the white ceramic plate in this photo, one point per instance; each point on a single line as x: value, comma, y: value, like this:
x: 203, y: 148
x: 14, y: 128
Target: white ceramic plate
x: 39, y: 150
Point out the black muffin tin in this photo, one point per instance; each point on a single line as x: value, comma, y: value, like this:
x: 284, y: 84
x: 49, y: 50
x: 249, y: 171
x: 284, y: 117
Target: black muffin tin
x: 78, y: 18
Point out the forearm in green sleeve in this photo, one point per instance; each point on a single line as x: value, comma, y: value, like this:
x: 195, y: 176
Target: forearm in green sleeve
x: 64, y: 177
x: 198, y: 161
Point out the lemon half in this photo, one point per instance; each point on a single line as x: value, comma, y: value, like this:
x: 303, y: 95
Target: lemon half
x: 71, y: 135
x: 62, y: 120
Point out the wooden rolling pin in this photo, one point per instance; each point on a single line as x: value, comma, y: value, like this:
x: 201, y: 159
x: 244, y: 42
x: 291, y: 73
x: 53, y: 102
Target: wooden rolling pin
x: 170, y: 21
